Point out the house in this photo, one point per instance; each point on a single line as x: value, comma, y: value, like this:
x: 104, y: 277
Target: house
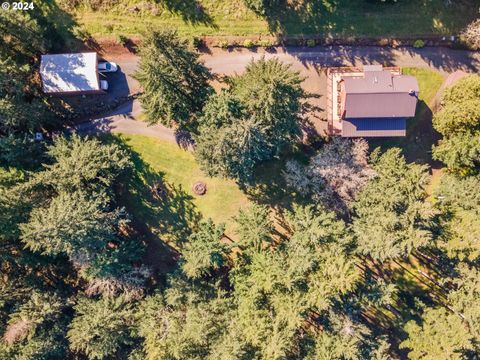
x: 375, y: 103
x: 65, y: 74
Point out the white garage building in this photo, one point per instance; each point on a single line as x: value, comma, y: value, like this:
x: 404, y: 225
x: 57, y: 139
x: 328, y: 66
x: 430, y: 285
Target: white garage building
x: 74, y: 74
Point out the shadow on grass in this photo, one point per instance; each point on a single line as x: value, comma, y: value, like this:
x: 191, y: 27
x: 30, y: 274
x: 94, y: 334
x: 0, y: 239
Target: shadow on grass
x: 165, y: 208
x: 364, y: 17
x: 161, y: 212
x: 190, y: 11
x: 269, y: 187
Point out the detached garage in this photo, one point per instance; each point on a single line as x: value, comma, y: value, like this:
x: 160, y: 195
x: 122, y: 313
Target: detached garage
x: 65, y: 74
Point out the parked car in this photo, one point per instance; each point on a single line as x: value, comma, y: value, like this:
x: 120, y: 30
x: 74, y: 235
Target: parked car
x: 104, y: 85
x: 107, y: 66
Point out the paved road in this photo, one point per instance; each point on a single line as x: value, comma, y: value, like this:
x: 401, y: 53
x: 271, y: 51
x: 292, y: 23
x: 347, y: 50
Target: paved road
x: 310, y: 62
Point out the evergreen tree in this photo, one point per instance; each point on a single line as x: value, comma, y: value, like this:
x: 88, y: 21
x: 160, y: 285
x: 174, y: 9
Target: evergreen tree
x: 21, y: 36
x: 458, y: 201
x: 270, y: 92
x: 83, y: 164
x: 72, y: 224
x: 175, y: 83
x: 232, y: 151
x: 204, y: 251
x: 278, y: 288
x: 100, y: 328
x: 188, y: 322
x: 391, y: 217
x: 254, y: 228
x: 36, y: 329
x: 251, y: 121
x: 441, y: 335
x: 465, y: 299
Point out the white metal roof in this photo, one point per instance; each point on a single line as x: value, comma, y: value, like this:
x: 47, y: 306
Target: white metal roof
x: 63, y: 73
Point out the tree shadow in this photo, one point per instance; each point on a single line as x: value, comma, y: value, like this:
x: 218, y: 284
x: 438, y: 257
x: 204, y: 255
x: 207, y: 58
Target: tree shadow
x: 161, y: 212
x: 58, y: 26
x: 165, y: 208
x: 191, y: 11
x: 360, y: 18
x: 421, y: 136
x: 268, y: 186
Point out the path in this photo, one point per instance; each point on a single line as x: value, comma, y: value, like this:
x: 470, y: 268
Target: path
x: 310, y: 62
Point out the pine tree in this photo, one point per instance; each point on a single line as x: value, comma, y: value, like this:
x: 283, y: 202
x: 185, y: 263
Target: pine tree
x: 175, y: 83
x: 100, y: 328
x: 72, y: 224
x: 254, y: 228
x: 189, y: 321
x: 83, y: 164
x: 441, y: 335
x: 458, y: 201
x: 391, y: 217
x: 251, y: 121
x: 36, y: 329
x: 270, y: 92
x: 465, y: 298
x: 204, y: 251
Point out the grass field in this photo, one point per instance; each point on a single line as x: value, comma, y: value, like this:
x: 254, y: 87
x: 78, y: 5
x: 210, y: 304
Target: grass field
x: 160, y: 162
x: 296, y: 17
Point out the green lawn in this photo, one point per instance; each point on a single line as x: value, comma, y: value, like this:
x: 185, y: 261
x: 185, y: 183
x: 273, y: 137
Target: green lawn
x: 308, y: 17
x: 420, y: 133
x: 428, y: 80
x: 166, y: 163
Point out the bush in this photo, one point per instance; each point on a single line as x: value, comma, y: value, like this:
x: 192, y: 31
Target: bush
x: 311, y: 42
x: 418, y: 44
x: 223, y: 44
x: 248, y: 43
x: 265, y: 43
x: 471, y: 35
x: 122, y: 39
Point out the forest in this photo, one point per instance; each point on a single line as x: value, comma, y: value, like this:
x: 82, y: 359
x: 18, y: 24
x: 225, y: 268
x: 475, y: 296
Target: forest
x: 370, y: 262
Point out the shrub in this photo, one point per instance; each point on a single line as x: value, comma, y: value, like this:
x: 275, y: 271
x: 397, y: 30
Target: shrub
x: 248, y: 43
x: 223, y: 44
x: 122, y: 39
x: 265, y: 43
x: 418, y: 44
x: 471, y: 35
x: 311, y: 42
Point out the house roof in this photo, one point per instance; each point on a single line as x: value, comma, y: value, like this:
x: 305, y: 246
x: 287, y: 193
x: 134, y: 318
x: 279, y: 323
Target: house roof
x: 380, y: 94
x: 64, y: 73
x: 374, y: 127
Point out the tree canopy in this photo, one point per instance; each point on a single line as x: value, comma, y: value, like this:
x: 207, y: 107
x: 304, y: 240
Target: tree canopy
x: 251, y: 121
x: 391, y: 217
x: 459, y: 123
x: 175, y: 83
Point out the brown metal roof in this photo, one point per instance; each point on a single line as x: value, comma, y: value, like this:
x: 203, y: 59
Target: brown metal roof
x: 380, y: 94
